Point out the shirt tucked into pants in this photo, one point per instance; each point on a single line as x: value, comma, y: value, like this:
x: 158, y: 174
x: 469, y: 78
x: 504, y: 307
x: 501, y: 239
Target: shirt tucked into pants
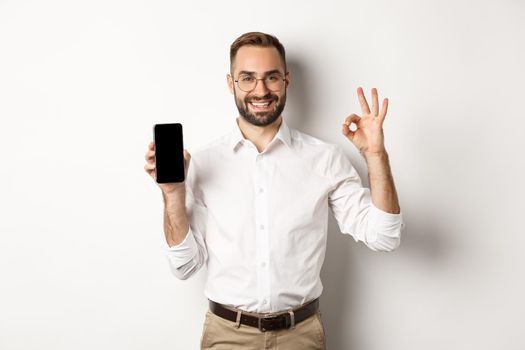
x: 221, y: 334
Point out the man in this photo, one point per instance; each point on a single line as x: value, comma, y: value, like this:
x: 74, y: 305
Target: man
x: 254, y: 208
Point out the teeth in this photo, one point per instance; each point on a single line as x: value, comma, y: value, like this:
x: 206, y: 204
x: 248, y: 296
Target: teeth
x: 260, y: 104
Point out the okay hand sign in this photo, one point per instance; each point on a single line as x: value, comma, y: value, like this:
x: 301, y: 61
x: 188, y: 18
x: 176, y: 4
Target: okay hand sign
x: 368, y: 136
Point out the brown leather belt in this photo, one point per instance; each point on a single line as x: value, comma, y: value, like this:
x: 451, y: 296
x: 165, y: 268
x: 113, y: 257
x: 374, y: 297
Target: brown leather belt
x: 267, y: 322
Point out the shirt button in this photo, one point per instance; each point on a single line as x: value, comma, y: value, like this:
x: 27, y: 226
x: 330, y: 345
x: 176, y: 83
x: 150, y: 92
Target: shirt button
x: 261, y: 227
x: 261, y: 190
x: 263, y: 264
x: 264, y: 301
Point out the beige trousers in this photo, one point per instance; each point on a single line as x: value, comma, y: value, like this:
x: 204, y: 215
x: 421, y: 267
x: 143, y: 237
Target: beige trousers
x: 221, y: 334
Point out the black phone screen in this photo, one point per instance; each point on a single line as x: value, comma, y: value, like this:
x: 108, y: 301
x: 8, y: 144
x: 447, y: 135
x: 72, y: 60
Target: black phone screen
x: 169, y: 157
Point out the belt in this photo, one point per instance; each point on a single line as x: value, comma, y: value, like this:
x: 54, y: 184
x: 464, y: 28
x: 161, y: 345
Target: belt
x: 267, y: 322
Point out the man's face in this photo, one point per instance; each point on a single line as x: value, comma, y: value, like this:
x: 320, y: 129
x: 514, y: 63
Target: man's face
x: 260, y: 106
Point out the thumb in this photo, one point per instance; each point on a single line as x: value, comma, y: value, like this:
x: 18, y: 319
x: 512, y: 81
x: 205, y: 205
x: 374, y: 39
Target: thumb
x: 351, y: 119
x: 347, y: 132
x: 187, y: 155
x: 187, y: 158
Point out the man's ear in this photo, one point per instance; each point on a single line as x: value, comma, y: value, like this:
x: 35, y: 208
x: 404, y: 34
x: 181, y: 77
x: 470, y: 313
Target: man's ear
x: 229, y: 79
x: 288, y: 79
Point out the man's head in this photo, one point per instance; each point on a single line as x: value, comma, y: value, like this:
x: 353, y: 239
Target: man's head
x: 258, y: 77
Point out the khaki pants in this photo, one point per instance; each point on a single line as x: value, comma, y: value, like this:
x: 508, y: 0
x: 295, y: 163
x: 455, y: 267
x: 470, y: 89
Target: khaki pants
x: 221, y: 334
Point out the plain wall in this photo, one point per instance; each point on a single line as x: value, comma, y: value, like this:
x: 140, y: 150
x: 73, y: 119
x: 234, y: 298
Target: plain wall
x: 82, y: 83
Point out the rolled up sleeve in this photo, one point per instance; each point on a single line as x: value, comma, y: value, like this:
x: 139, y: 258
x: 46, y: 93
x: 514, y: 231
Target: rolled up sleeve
x: 187, y: 257
x: 384, y: 229
x: 352, y: 207
x: 180, y: 256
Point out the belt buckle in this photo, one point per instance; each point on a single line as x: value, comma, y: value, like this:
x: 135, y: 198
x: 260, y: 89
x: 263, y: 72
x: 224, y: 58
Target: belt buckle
x: 262, y: 319
x: 271, y: 317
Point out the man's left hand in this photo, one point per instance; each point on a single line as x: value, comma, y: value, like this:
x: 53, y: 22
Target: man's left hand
x: 368, y: 136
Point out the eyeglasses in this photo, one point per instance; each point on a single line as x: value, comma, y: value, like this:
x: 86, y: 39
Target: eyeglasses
x: 273, y: 82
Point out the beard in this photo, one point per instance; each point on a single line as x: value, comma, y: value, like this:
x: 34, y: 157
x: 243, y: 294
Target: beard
x: 261, y: 118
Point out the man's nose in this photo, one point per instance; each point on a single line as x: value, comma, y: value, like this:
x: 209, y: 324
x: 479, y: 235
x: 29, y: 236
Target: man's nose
x: 260, y: 88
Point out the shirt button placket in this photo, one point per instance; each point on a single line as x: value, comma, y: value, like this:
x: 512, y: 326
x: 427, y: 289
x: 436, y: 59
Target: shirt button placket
x: 261, y: 216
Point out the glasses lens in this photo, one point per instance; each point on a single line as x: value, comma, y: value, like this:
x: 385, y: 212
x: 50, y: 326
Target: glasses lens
x: 246, y: 82
x: 274, y: 82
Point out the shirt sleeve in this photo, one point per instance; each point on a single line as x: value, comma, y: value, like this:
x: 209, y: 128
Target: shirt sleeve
x: 187, y: 257
x: 352, y: 207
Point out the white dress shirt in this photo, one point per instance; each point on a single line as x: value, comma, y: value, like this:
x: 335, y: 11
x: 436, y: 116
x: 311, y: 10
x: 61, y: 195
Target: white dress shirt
x: 259, y: 220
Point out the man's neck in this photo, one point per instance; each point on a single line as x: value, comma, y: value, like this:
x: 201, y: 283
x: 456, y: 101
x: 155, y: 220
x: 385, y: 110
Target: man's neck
x: 260, y: 136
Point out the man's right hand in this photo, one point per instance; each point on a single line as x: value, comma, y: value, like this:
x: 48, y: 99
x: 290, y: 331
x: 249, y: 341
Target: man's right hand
x: 150, y: 169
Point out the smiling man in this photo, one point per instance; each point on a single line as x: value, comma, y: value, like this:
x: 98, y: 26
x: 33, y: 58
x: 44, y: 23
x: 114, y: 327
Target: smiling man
x: 255, y: 203
x: 262, y: 103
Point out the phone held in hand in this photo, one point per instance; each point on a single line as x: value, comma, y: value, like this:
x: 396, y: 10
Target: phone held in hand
x: 169, y: 156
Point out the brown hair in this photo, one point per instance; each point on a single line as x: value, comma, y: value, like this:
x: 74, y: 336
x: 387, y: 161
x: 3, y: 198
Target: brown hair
x: 256, y: 39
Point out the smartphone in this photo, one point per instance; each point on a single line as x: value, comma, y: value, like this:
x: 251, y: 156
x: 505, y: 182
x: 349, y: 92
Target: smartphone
x: 169, y: 156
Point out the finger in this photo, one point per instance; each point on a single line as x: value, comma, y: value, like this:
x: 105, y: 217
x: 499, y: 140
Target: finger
x: 352, y: 118
x: 347, y: 132
x: 151, y: 145
x: 187, y: 158
x: 150, y: 172
x: 375, y: 103
x: 187, y: 155
x: 149, y: 166
x: 149, y: 155
x: 362, y: 100
x: 384, y: 109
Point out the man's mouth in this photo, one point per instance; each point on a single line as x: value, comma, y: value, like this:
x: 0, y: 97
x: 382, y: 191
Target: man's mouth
x: 262, y: 105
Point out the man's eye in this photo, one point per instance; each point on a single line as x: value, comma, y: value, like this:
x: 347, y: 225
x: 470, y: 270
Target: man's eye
x: 274, y: 77
x: 246, y: 79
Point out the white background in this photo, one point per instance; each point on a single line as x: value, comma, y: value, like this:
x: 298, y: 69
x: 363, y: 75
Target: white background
x: 82, y: 83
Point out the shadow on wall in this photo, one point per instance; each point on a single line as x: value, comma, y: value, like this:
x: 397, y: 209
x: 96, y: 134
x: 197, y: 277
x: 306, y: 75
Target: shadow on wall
x: 298, y: 101
x: 422, y: 243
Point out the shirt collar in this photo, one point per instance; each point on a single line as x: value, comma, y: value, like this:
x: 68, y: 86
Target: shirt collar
x: 283, y: 134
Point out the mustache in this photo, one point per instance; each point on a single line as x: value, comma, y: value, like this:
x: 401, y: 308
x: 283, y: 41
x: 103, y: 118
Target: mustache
x: 268, y: 96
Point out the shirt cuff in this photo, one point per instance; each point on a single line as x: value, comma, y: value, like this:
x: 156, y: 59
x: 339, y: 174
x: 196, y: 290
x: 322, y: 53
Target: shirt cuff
x: 385, y: 222
x: 183, y: 252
